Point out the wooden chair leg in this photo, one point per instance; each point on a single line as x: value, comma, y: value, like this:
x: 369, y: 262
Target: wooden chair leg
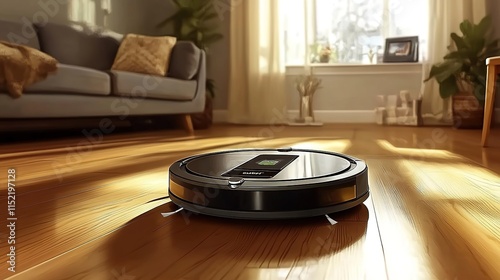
x: 489, y: 102
x: 188, y: 124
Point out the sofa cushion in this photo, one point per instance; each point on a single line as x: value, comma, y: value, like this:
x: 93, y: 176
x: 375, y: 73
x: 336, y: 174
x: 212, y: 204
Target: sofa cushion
x: 150, y: 86
x: 184, y: 61
x: 74, y: 79
x: 144, y: 54
x: 16, y: 32
x: 74, y: 46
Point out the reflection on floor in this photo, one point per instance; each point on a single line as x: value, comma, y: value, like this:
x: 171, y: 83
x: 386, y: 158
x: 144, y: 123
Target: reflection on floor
x: 86, y: 209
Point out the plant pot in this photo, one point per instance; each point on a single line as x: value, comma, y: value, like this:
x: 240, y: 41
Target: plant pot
x: 324, y: 58
x: 467, y: 112
x: 204, y: 119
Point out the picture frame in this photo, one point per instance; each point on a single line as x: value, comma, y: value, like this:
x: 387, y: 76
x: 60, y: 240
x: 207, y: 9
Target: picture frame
x: 401, y: 49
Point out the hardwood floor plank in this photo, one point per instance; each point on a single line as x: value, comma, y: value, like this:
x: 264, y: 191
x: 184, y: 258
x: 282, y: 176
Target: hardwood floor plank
x: 433, y: 212
x: 425, y: 232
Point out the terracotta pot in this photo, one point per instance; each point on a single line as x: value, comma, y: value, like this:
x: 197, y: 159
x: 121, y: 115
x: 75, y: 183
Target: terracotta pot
x: 467, y: 112
x: 204, y: 119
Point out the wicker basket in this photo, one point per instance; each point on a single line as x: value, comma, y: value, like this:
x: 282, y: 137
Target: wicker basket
x: 467, y: 112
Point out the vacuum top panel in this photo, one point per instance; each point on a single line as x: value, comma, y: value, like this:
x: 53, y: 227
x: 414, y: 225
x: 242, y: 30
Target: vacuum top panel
x: 269, y: 165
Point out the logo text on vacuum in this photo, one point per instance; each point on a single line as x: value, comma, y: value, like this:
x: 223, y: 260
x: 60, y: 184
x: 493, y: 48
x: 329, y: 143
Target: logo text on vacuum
x: 252, y: 173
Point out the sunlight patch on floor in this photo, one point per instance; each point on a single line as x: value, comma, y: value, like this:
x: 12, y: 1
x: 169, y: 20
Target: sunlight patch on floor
x: 457, y: 181
x: 416, y: 152
x: 122, y: 189
x: 337, y: 145
x: 76, y: 159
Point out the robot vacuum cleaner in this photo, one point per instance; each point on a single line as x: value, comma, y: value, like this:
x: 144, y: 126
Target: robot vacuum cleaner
x: 268, y: 183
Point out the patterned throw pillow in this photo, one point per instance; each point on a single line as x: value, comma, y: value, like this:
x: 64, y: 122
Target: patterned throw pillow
x: 144, y: 54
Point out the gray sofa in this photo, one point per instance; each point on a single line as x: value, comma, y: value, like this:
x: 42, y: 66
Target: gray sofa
x: 84, y: 85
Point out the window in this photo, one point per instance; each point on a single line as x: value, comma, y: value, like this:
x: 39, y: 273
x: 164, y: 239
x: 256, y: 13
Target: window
x: 82, y: 11
x: 349, y: 31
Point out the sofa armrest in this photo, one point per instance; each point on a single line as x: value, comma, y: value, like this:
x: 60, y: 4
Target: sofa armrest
x: 201, y: 78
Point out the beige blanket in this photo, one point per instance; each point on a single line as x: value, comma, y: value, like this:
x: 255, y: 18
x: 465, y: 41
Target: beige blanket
x: 21, y: 66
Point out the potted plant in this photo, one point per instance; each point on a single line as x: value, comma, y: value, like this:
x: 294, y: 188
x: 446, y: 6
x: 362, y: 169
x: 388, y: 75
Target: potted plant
x: 197, y: 21
x: 462, y: 73
x: 324, y: 54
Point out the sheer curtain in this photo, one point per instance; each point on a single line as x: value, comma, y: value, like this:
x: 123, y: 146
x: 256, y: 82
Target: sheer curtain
x: 445, y: 17
x: 82, y: 11
x: 257, y: 63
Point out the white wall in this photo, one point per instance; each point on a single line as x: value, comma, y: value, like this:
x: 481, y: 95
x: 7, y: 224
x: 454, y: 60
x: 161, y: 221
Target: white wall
x: 355, y: 87
x: 34, y: 10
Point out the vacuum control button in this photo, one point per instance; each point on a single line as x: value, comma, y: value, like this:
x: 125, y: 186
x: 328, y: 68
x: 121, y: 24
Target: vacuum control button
x: 286, y: 149
x: 235, y: 182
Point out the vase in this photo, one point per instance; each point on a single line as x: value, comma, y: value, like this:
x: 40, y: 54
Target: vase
x: 306, y: 109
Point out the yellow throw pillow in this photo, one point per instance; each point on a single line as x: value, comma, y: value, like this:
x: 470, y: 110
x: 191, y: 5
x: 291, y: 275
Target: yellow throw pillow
x: 144, y: 54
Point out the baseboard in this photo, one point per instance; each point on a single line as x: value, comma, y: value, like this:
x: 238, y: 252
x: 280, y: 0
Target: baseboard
x: 326, y: 116
x: 344, y: 116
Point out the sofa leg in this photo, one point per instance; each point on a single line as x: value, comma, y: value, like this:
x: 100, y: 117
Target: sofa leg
x: 188, y: 124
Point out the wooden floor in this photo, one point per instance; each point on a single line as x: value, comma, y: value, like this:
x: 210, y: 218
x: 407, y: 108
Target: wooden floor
x: 88, y: 211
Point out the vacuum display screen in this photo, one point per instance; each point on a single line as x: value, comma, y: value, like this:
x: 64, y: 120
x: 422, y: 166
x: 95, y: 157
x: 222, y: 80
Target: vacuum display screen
x: 261, y: 166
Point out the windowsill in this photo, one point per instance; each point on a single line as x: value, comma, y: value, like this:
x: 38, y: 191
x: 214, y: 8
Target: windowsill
x: 367, y: 69
x: 358, y: 64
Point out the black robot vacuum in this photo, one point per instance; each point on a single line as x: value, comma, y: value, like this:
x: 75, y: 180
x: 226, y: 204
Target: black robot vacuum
x: 268, y: 183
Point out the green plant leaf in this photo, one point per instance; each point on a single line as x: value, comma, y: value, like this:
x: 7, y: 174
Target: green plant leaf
x: 444, y: 70
x: 212, y: 38
x: 454, y: 55
x: 478, y: 75
x: 482, y: 28
x: 181, y: 3
x: 187, y: 4
x: 477, y: 47
x: 432, y: 73
x: 467, y: 28
x: 209, y: 16
x: 459, y: 41
x: 207, y: 13
x: 448, y: 87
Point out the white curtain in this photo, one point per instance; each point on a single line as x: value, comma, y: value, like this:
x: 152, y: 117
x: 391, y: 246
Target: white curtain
x: 82, y: 11
x: 257, y: 63
x: 445, y: 17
